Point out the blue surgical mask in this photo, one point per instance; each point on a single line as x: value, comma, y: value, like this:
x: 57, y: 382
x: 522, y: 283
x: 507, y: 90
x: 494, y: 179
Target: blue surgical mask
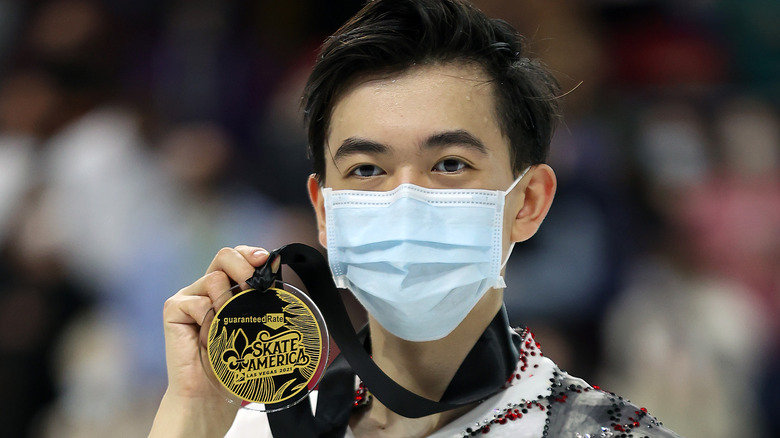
x: 417, y: 259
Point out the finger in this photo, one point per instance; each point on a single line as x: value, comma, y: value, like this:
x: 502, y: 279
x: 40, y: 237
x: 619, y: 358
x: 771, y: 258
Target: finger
x: 186, y: 309
x: 256, y: 256
x: 216, y: 286
x: 238, y: 264
x: 211, y: 285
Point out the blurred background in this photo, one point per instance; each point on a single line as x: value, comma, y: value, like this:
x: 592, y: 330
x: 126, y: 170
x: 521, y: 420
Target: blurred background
x: 137, y: 137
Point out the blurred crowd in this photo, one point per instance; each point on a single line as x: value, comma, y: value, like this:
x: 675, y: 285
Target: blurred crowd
x: 137, y: 137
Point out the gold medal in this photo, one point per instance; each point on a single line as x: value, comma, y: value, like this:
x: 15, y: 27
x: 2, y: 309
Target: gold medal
x: 267, y: 347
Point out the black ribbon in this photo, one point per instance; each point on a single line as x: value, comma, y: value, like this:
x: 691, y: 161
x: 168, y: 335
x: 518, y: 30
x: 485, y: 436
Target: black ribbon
x: 483, y: 372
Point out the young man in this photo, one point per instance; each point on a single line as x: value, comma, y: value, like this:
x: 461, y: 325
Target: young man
x: 429, y: 130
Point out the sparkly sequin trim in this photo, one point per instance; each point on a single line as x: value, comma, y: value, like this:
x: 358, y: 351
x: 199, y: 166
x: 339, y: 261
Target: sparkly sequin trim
x: 362, y: 397
x: 622, y: 424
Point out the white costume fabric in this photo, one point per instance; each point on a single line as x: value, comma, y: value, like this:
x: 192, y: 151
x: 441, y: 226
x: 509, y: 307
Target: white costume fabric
x: 539, y: 400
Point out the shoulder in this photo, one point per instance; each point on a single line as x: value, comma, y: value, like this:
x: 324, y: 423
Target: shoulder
x: 576, y: 409
x: 550, y: 403
x: 541, y: 400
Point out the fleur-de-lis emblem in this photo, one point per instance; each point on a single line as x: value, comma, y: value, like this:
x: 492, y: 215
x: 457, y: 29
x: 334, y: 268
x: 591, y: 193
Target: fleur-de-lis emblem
x: 234, y: 357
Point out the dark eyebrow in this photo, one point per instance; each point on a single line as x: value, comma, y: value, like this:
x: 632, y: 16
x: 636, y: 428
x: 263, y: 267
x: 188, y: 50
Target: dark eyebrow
x: 460, y: 137
x: 356, y: 145
x: 456, y: 138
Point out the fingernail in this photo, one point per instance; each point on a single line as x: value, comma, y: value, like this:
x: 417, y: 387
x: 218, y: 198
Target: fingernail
x: 260, y: 252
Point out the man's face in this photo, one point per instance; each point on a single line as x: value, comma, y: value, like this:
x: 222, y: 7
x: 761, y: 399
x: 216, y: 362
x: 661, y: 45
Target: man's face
x: 433, y: 126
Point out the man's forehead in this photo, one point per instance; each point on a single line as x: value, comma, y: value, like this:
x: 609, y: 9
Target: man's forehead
x: 470, y: 72
x: 459, y: 81
x: 423, y: 108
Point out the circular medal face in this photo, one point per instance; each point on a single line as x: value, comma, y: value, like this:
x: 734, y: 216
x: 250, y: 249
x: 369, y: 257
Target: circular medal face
x: 266, y: 349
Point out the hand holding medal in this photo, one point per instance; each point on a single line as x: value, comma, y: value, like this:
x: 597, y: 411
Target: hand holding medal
x: 265, y: 347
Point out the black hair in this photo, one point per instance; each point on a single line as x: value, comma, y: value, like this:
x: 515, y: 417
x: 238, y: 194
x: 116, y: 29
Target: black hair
x: 390, y: 36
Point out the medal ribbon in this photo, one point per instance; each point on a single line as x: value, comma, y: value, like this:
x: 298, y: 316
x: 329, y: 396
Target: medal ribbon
x: 483, y: 372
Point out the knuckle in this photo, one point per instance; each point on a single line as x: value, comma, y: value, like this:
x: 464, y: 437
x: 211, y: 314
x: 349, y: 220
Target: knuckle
x: 215, y: 280
x: 226, y: 251
x: 170, y: 304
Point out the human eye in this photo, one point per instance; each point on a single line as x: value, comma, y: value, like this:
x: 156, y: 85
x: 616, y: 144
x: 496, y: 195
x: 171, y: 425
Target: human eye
x: 367, y: 170
x: 450, y: 165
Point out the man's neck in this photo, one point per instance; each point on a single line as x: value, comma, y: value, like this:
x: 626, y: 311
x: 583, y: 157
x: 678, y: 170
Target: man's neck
x: 425, y: 368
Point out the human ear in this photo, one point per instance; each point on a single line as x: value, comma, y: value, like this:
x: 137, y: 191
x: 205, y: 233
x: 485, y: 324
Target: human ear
x: 531, y: 201
x: 317, y: 201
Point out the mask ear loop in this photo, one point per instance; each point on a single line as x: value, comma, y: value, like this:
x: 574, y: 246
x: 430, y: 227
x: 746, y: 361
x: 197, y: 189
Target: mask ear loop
x: 512, y: 187
x: 516, y: 181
